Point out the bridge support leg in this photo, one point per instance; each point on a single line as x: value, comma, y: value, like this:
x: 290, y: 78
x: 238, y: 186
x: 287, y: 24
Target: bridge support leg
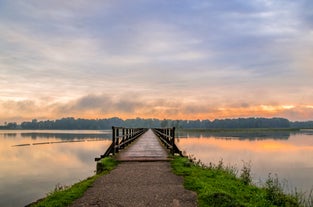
x: 173, y: 140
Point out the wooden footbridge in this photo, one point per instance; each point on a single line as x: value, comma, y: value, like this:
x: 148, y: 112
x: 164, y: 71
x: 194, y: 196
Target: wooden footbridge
x: 142, y: 144
x: 145, y: 181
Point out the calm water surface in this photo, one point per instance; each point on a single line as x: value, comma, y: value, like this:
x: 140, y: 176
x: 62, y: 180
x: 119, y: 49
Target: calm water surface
x: 32, y: 163
x: 30, y: 167
x: 289, y: 155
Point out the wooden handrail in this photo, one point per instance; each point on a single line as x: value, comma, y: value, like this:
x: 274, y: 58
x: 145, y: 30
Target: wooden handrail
x: 167, y: 137
x: 121, y: 137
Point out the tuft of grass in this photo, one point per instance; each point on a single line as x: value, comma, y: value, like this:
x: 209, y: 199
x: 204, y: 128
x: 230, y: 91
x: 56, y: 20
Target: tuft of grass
x: 65, y: 195
x: 245, y: 175
x: 219, y: 185
x: 275, y: 193
x: 106, y: 165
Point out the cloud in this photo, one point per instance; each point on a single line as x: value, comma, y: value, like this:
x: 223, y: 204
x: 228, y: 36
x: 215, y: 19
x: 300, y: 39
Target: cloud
x: 98, y: 105
x: 21, y: 110
x: 92, y: 102
x: 155, y: 58
x: 103, y: 106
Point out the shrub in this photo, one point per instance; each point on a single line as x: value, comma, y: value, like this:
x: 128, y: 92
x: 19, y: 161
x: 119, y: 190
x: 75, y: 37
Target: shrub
x: 245, y: 175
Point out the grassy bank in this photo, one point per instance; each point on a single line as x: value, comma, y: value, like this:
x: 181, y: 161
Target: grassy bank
x: 218, y: 185
x: 64, y: 196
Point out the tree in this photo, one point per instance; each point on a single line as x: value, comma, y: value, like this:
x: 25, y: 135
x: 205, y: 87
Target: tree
x: 164, y: 123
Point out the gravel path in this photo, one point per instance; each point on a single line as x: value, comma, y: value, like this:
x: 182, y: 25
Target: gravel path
x: 139, y: 184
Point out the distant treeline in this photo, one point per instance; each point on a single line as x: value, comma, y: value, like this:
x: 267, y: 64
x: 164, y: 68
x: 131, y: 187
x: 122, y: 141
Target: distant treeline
x: 72, y: 123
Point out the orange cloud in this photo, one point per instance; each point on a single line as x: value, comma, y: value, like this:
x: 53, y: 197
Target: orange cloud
x: 102, y: 106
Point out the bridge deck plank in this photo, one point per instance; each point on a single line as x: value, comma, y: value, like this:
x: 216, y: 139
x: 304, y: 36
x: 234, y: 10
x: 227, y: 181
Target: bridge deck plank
x: 146, y: 148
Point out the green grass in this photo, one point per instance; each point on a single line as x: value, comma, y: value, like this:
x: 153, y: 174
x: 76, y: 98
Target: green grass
x: 218, y: 185
x: 215, y: 185
x: 64, y: 196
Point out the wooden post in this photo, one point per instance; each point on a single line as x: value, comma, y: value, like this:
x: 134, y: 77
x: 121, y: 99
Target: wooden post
x: 123, y: 139
x: 117, y: 139
x: 127, y: 135
x: 113, y: 139
x: 173, y: 140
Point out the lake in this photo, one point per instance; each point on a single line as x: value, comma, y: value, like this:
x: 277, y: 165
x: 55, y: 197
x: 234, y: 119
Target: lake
x: 33, y: 163
x: 34, y: 168
x: 289, y: 155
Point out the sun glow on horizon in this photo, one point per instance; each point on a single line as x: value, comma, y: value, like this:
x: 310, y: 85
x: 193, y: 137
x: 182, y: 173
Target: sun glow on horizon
x: 98, y: 108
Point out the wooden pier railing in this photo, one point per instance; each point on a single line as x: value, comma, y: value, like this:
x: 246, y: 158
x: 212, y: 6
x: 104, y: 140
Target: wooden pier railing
x: 121, y: 137
x: 167, y: 136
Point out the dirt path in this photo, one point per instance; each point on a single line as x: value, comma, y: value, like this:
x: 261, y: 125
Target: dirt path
x: 139, y: 184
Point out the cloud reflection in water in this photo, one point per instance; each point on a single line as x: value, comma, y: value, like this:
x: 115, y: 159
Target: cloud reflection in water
x: 28, y: 173
x: 290, y: 158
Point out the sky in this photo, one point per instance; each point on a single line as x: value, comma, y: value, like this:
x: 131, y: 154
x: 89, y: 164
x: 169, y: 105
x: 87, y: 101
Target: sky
x: 177, y: 59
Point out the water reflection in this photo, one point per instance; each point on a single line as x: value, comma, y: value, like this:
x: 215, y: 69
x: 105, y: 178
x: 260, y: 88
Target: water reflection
x: 290, y: 155
x: 241, y: 135
x: 9, y: 135
x: 65, y: 136
x: 58, y: 142
x: 28, y: 173
x: 62, y: 136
